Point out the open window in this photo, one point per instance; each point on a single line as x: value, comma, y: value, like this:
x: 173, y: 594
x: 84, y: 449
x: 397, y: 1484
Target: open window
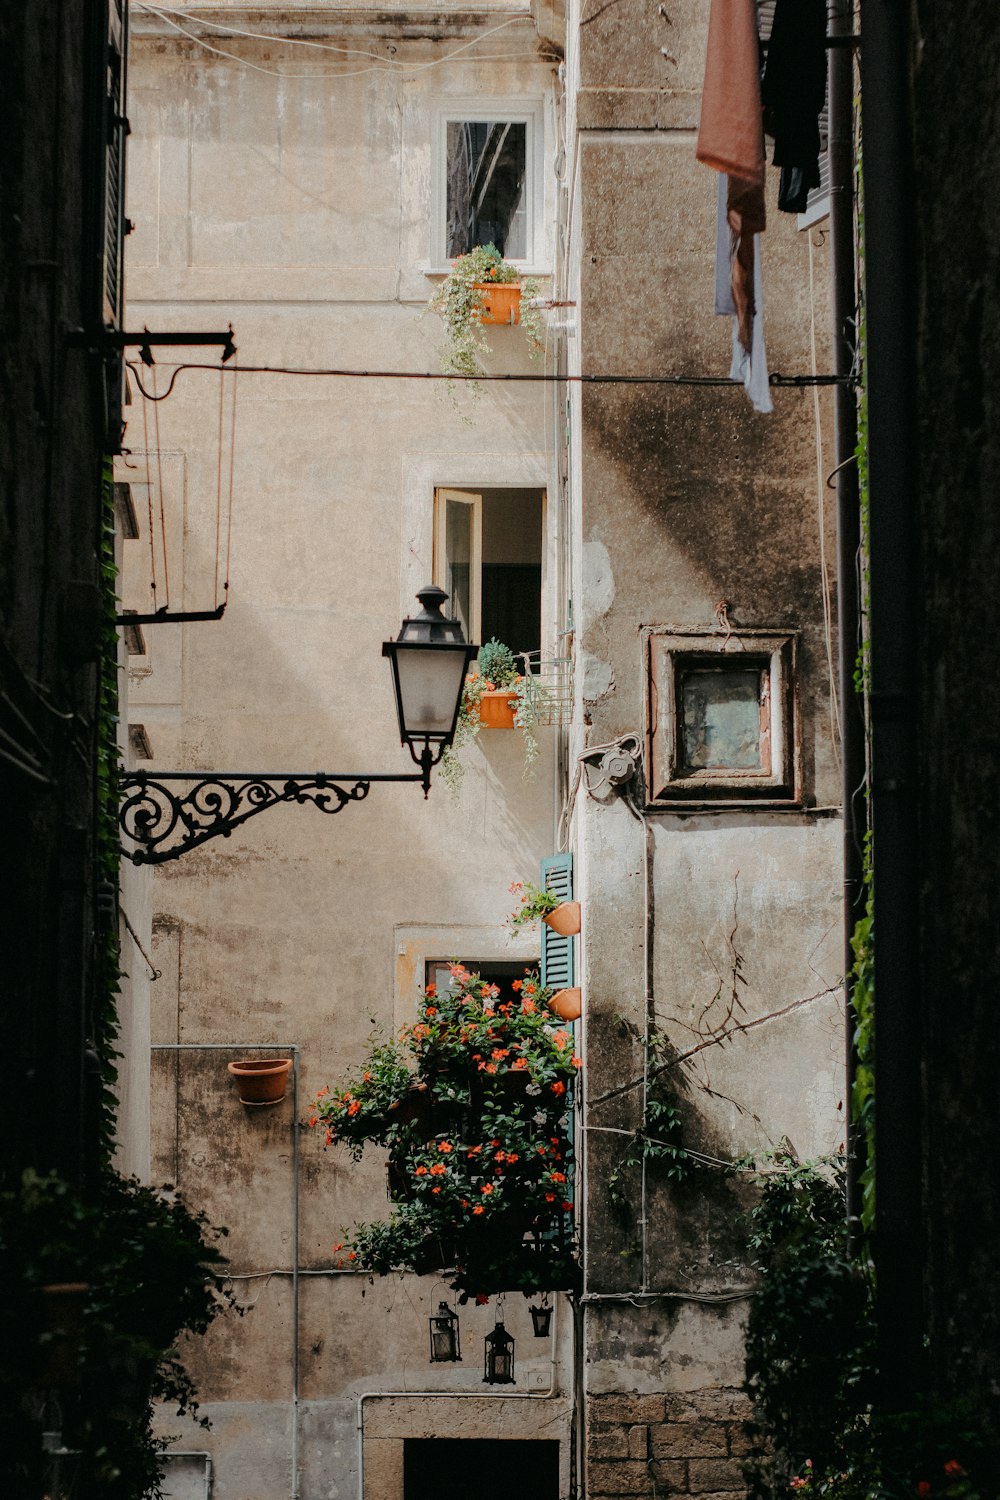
x: 488, y: 560
x: 500, y: 972
x: 720, y: 723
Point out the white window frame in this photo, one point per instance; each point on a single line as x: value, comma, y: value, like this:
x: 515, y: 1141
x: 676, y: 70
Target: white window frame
x: 525, y: 111
x: 442, y: 497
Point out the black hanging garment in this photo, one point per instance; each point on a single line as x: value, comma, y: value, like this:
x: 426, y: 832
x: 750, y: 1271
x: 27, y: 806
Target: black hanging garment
x: 793, y: 92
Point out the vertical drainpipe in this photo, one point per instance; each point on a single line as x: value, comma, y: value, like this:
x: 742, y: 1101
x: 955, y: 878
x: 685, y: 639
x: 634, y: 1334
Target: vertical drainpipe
x: 890, y: 271
x: 853, y: 761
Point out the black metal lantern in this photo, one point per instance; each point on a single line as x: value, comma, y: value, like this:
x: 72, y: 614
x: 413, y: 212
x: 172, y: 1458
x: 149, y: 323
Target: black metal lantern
x: 429, y: 659
x: 541, y: 1319
x: 499, y: 1357
x: 444, y: 1335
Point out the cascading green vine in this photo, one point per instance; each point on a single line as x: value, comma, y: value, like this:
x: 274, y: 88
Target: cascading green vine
x: 103, y: 1019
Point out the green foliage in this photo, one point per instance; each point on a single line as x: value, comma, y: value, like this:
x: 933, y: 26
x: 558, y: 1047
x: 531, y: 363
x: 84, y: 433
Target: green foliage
x: 809, y: 1340
x: 533, y: 903
x: 938, y: 1451
x: 150, y: 1274
x: 460, y: 305
x: 497, y: 664
x: 479, y: 1148
x: 103, y: 1017
x: 862, y: 986
x: 658, y: 1141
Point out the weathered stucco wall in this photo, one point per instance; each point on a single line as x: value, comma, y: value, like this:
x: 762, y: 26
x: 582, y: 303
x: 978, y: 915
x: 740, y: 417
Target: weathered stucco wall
x: 698, y: 923
x: 298, y: 207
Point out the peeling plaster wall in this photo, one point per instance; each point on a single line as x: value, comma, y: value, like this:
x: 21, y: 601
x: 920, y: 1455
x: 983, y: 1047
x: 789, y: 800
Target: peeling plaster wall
x: 694, y: 922
x: 298, y: 208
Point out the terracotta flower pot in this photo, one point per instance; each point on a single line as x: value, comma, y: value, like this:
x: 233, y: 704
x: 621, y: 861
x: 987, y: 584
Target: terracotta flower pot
x: 565, y: 919
x: 497, y: 708
x: 501, y: 302
x: 261, y: 1080
x: 567, y: 1004
x: 64, y: 1302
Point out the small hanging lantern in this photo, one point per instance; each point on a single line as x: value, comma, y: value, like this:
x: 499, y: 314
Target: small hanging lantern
x: 499, y: 1357
x: 541, y: 1318
x: 444, y: 1335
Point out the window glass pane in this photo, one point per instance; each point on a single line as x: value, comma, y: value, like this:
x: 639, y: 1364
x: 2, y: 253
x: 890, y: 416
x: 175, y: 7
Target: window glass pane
x: 458, y: 564
x: 486, y: 173
x: 721, y: 720
x: 512, y: 568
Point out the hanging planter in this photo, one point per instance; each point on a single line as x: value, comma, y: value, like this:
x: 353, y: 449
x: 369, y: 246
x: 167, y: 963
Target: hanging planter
x: 501, y: 303
x: 538, y: 905
x: 567, y: 1004
x: 261, y: 1080
x: 484, y: 289
x: 565, y: 919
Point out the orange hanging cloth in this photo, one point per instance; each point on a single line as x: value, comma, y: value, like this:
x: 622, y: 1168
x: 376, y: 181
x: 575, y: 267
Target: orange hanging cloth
x: 731, y: 139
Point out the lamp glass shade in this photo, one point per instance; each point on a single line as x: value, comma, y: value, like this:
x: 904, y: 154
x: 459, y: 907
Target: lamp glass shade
x: 499, y: 1348
x: 541, y: 1320
x: 429, y: 659
x: 444, y: 1335
x: 429, y: 681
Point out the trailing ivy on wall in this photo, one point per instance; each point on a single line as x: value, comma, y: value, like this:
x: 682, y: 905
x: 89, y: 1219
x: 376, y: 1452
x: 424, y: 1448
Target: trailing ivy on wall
x: 103, y: 1020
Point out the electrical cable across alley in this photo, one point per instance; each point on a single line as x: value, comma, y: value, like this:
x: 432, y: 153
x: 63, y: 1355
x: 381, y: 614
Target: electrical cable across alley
x: 519, y: 377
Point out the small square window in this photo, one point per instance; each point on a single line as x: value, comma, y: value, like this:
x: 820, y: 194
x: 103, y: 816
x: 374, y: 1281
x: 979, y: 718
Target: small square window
x: 720, y: 725
x: 487, y: 180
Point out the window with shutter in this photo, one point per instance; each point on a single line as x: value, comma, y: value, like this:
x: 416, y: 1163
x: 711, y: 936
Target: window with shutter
x: 558, y: 967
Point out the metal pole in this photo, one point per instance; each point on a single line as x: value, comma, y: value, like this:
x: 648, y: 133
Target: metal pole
x: 895, y: 587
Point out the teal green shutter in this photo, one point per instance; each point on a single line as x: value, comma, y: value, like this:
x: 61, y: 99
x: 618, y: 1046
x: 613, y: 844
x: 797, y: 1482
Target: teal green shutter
x: 558, y: 968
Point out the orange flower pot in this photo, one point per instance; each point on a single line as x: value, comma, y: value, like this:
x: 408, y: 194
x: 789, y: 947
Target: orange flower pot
x: 497, y: 708
x: 565, y: 919
x: 501, y: 302
x: 567, y: 1004
x: 64, y: 1302
x: 261, y: 1080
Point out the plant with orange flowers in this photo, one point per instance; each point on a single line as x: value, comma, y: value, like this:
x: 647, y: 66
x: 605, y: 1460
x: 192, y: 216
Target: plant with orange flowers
x: 534, y: 903
x: 481, y: 1176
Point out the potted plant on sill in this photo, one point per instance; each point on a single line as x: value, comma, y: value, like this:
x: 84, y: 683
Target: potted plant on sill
x: 480, y: 289
x: 480, y: 1184
x: 496, y: 696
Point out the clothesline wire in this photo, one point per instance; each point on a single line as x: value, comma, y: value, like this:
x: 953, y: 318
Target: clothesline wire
x: 520, y: 377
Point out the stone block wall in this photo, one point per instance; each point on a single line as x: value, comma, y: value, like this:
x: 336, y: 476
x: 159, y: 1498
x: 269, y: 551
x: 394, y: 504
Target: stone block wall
x: 693, y: 1443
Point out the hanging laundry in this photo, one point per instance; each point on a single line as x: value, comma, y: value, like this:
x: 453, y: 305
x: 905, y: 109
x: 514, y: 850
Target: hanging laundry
x: 749, y: 368
x: 731, y: 139
x: 793, y: 90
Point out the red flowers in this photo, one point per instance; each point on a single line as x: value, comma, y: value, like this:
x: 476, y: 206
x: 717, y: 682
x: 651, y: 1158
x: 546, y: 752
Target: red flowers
x: 559, y: 1087
x: 438, y: 1169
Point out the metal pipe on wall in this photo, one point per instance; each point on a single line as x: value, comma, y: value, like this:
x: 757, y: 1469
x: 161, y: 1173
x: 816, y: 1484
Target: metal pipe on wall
x: 895, y: 587
x: 293, y: 1048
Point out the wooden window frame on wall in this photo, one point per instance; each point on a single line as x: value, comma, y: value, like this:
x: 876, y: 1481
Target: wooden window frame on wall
x: 777, y: 783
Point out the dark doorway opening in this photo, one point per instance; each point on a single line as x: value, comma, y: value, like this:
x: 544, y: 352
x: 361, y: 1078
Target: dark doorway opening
x: 479, y: 1469
x: 494, y: 971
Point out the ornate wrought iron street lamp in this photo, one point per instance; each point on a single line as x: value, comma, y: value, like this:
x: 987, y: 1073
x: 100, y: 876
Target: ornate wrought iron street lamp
x: 444, y: 1335
x: 499, y: 1357
x: 166, y: 813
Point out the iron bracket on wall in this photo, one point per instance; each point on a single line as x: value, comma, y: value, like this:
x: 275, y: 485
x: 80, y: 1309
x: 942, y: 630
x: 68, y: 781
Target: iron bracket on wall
x: 110, y: 341
x: 168, y: 813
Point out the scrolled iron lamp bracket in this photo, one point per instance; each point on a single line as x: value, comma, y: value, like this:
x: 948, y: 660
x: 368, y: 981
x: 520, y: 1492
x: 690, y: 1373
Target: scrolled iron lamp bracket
x: 168, y: 813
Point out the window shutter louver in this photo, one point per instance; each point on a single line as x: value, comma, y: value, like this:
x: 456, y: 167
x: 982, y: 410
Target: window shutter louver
x: 557, y: 966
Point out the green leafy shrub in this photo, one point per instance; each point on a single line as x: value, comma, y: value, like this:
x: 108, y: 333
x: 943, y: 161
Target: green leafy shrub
x: 483, y: 1158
